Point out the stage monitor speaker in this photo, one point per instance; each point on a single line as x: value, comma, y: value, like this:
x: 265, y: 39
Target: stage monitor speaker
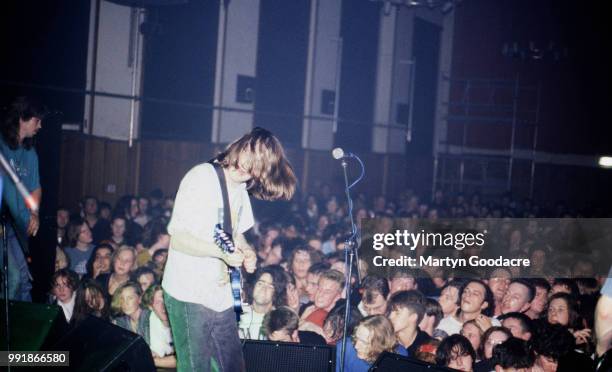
x: 266, y: 356
x: 328, y: 101
x: 33, y: 326
x: 97, y: 345
x: 245, y: 89
x: 389, y: 362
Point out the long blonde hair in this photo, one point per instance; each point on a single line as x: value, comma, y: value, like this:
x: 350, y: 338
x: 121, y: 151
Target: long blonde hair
x: 382, y: 337
x: 262, y: 155
x: 116, y: 300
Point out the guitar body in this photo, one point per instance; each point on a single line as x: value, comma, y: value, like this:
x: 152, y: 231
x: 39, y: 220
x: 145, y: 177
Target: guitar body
x: 224, y: 240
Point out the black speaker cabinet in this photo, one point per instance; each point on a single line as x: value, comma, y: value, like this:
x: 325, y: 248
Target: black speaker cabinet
x: 97, y: 345
x: 33, y: 327
x: 245, y: 89
x: 267, y: 356
x: 389, y: 362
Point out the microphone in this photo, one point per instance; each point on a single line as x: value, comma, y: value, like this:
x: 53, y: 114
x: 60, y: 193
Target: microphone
x: 338, y: 154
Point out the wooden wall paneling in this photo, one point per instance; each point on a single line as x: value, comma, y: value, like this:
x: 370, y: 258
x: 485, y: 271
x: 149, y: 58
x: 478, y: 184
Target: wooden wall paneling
x: 164, y: 163
x: 112, y: 176
x: 146, y: 157
x: 151, y: 156
x: 135, y: 156
x: 97, y: 167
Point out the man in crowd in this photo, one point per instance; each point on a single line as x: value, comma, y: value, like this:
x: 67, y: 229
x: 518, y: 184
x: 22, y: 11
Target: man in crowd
x: 22, y: 123
x: 498, y: 282
x: 402, y: 280
x: 538, y: 304
x: 312, y: 278
x: 375, y: 291
x: 432, y: 317
x: 100, y: 228
x: 62, y: 220
x: 513, y: 355
x: 331, y: 287
x: 406, y: 310
x: 449, y: 298
x: 518, y: 297
x: 281, y: 325
x: 476, y: 303
x: 519, y: 325
x: 268, y: 292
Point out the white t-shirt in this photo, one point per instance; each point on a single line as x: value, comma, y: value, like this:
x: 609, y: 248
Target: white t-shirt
x: 452, y: 326
x: 251, y: 322
x: 160, y: 336
x: 68, y: 307
x: 197, y: 209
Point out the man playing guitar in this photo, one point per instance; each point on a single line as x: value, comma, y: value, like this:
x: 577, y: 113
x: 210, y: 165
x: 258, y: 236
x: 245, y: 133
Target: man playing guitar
x: 197, y: 290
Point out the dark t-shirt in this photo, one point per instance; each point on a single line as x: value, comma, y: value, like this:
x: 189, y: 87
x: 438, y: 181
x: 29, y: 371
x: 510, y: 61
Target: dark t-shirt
x: 103, y: 280
x: 420, y: 339
x: 311, y: 338
x: 101, y: 231
x: 575, y: 361
x: 484, y: 366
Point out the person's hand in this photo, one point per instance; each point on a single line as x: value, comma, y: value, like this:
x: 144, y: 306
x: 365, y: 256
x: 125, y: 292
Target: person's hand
x: 582, y: 336
x: 250, y: 260
x: 484, y: 322
x: 234, y: 259
x: 97, y: 268
x: 33, y: 225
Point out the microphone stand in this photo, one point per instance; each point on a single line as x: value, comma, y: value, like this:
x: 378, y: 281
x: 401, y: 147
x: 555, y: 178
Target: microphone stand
x: 5, y: 281
x: 351, y: 249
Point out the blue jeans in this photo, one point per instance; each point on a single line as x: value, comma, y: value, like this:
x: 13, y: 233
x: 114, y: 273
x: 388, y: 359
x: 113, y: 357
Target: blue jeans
x: 18, y: 272
x: 204, y: 340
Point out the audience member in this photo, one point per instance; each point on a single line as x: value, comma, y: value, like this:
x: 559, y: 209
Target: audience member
x: 122, y: 263
x: 331, y: 286
x: 371, y: 337
x: 80, y: 247
x: 375, y: 291
x: 64, y: 284
x: 476, y: 303
x: 456, y: 352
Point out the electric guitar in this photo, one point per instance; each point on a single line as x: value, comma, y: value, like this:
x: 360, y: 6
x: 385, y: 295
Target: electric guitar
x: 224, y: 241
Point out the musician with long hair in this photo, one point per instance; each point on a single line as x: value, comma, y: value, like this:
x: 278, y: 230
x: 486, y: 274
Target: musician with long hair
x: 22, y: 122
x: 198, y: 293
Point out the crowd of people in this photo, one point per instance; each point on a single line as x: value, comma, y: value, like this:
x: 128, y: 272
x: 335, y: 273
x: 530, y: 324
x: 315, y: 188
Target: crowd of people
x: 110, y: 263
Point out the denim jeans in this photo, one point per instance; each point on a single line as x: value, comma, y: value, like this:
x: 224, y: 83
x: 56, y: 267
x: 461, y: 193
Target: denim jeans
x: 204, y: 340
x: 18, y: 272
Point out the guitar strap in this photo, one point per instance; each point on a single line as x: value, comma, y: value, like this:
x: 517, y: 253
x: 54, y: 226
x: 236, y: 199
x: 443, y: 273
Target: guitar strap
x: 227, y: 216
